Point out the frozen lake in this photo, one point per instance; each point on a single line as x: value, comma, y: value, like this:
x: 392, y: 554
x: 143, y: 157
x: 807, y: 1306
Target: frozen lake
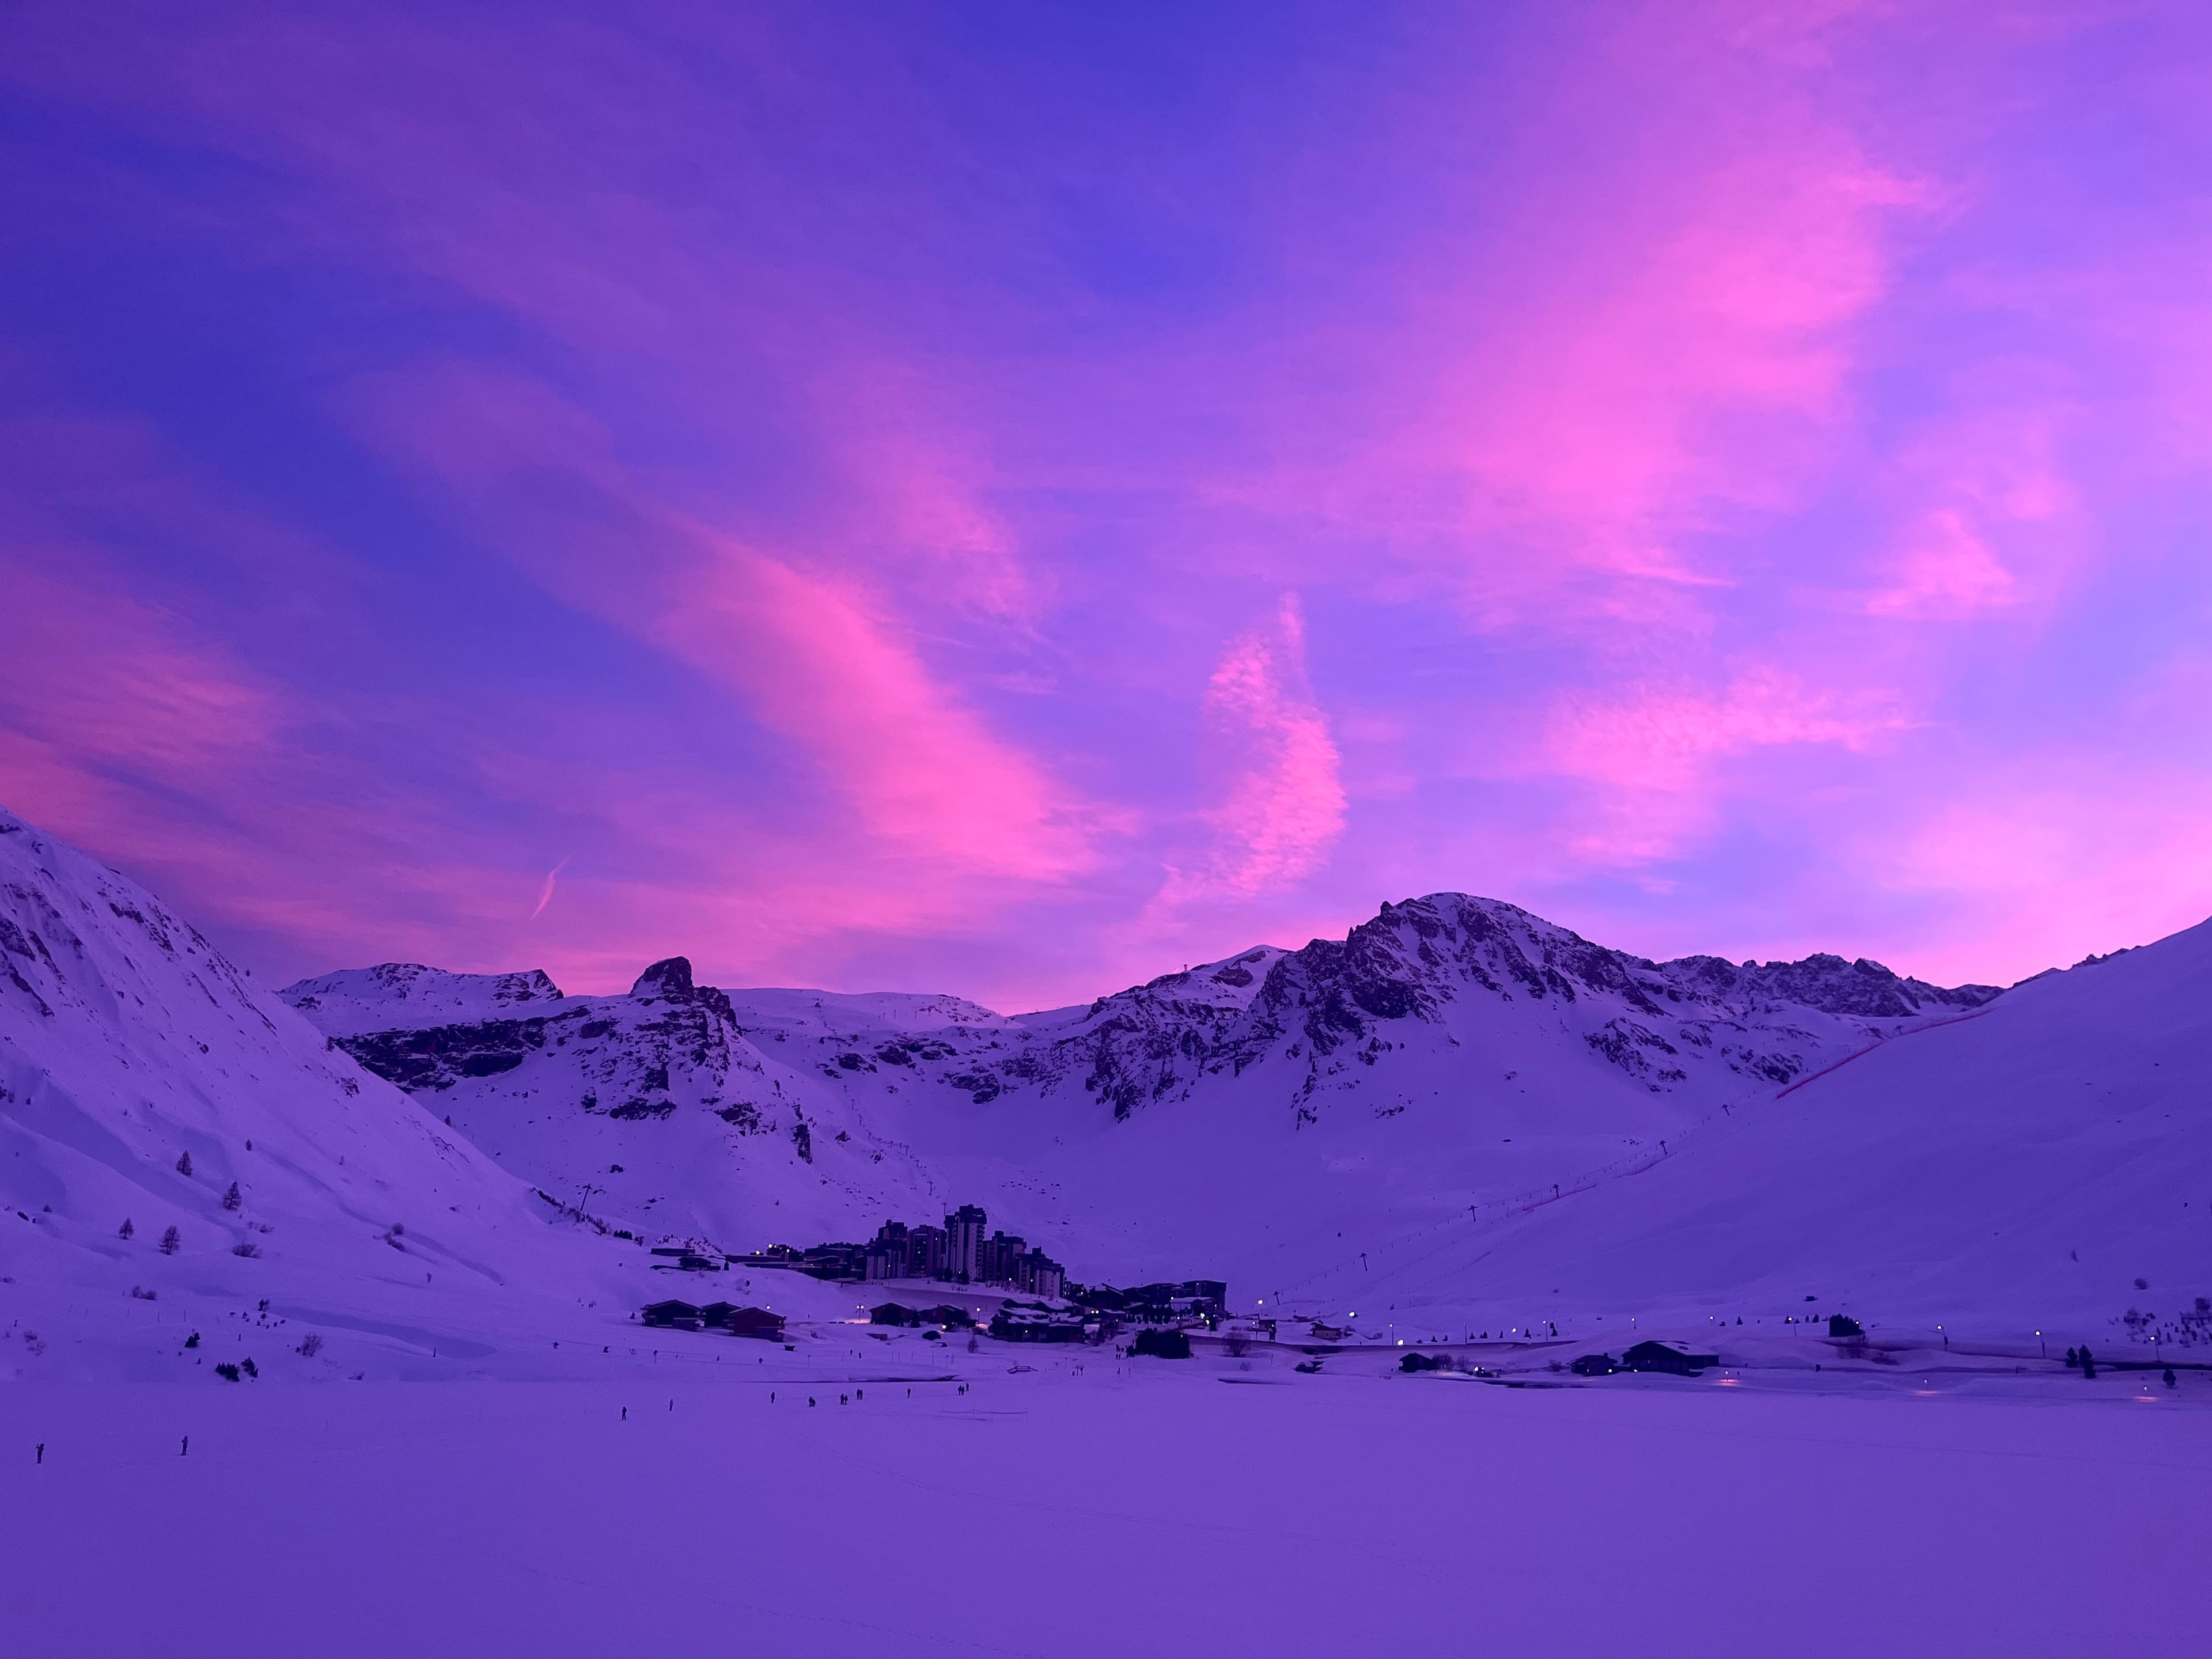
x: 1053, y: 1515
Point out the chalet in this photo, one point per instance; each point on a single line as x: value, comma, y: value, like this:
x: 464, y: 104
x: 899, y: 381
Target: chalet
x: 893, y: 1313
x: 836, y: 1261
x: 1669, y: 1356
x: 755, y: 1322
x: 680, y: 1315
x: 1013, y: 1324
x: 1594, y: 1364
x: 1843, y: 1325
x: 946, y: 1314
x: 715, y: 1315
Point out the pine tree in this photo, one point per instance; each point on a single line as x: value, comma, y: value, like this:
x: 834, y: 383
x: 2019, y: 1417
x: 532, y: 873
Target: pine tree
x: 184, y: 1164
x: 171, y: 1241
x: 126, y: 1229
x: 231, y: 1199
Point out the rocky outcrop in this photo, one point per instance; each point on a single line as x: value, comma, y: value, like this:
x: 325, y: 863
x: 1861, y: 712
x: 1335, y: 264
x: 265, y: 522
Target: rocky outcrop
x: 630, y: 1057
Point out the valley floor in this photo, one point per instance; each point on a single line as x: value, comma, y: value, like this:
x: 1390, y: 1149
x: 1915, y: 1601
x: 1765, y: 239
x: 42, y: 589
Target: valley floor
x: 1151, y: 1509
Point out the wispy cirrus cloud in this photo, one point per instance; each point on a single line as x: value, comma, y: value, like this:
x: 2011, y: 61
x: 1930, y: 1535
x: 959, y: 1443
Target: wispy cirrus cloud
x: 1947, y: 569
x: 1281, y: 805
x: 814, y: 655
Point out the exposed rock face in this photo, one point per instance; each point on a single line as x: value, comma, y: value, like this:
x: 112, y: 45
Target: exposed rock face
x: 1864, y: 989
x: 654, y: 1111
x: 627, y: 1053
x: 670, y: 978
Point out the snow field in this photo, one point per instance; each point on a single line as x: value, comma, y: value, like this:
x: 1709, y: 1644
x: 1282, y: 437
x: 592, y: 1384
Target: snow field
x: 1139, y: 1509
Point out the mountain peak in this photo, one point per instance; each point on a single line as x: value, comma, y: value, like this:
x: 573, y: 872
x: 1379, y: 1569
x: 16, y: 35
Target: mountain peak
x: 670, y: 977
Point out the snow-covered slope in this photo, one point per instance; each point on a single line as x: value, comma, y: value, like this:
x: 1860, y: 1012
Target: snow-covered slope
x: 2044, y: 1164
x: 149, y: 1090
x: 1449, y: 1060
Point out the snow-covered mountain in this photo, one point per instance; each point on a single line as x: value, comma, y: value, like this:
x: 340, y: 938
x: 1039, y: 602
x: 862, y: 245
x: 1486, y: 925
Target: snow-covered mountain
x: 1447, y: 971
x: 1228, y: 1120
x: 658, y: 1111
x: 175, y: 1141
x: 2043, y: 1164
x: 401, y: 993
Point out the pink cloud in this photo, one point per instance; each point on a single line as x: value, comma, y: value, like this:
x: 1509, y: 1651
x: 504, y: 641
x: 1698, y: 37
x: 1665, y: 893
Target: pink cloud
x: 1283, y: 807
x: 1655, y: 756
x: 1989, y: 519
x: 1948, y: 569
x: 1555, y: 406
x: 815, y: 655
x: 817, y: 661
x: 112, y: 682
x: 129, y: 727
x: 2045, y: 859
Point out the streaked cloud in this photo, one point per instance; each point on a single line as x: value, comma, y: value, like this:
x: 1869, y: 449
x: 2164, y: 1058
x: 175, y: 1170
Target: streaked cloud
x: 1281, y: 805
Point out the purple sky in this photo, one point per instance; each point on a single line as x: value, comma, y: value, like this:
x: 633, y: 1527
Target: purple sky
x: 1014, y: 499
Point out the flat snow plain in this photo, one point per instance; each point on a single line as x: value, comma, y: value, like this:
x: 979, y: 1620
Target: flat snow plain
x: 1145, y: 1507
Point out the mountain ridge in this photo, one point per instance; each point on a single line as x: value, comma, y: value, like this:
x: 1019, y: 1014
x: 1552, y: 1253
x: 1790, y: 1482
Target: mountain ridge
x: 780, y: 1109
x: 1458, y: 1114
